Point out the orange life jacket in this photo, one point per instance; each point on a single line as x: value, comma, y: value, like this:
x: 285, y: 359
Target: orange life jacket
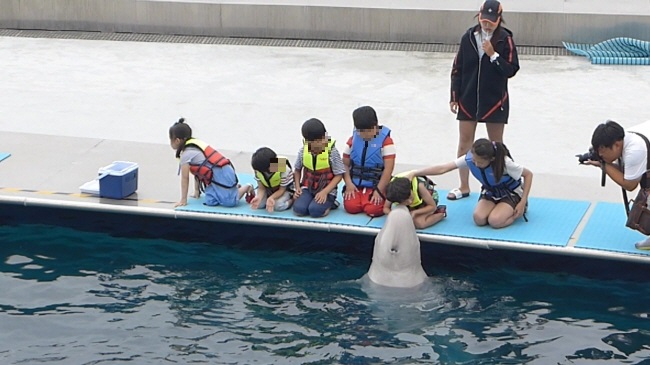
x: 204, y: 171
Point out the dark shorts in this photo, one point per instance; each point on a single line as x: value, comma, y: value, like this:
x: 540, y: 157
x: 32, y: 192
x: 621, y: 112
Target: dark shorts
x: 485, y: 121
x: 512, y: 199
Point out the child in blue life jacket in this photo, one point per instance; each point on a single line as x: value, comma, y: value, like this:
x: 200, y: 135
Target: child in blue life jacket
x: 319, y: 169
x: 214, y: 174
x: 423, y: 201
x: 274, y: 178
x: 369, y: 159
x: 505, y: 184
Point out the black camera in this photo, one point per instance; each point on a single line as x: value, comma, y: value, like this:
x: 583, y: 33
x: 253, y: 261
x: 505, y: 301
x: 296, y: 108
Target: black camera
x: 588, y: 156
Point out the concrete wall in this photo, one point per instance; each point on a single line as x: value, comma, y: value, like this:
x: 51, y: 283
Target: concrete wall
x: 539, y: 23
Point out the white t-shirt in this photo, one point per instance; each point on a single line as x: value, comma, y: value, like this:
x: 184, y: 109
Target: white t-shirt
x: 635, y: 156
x: 192, y: 155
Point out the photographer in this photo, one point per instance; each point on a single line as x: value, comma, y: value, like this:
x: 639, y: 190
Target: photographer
x: 622, y: 156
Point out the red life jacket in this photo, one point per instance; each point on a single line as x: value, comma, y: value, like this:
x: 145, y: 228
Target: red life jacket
x: 213, y: 158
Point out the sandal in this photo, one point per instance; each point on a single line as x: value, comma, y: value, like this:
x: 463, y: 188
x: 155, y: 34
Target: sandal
x: 250, y: 193
x: 441, y: 209
x: 456, y: 194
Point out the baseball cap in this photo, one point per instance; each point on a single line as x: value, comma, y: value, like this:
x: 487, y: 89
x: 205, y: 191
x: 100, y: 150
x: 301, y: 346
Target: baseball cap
x: 490, y: 11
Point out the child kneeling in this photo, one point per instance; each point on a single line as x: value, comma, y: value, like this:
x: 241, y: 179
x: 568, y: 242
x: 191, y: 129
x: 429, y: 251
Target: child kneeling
x: 419, y: 195
x: 319, y: 169
x: 274, y: 178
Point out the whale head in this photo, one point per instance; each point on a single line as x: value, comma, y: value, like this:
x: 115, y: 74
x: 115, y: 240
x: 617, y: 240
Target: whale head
x: 396, y: 260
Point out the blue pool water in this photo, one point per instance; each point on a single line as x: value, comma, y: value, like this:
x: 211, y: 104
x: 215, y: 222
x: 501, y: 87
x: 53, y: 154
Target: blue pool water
x: 79, y: 288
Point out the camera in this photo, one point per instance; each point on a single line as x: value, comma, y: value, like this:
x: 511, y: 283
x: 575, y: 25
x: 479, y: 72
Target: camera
x: 588, y: 156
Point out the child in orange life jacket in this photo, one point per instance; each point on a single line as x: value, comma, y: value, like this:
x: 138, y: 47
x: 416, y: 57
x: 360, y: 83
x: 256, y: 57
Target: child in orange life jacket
x: 369, y: 159
x: 319, y: 169
x: 423, y: 203
x: 504, y: 196
x: 213, y: 173
x: 274, y: 178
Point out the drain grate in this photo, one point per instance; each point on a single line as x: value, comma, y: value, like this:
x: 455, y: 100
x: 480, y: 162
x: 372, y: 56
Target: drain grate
x: 267, y: 42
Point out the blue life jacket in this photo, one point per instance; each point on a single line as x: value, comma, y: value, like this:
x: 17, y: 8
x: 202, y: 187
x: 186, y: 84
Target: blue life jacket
x: 492, y: 188
x: 366, y: 161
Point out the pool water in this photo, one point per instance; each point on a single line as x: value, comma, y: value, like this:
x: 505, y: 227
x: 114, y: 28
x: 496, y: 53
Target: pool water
x: 78, y: 293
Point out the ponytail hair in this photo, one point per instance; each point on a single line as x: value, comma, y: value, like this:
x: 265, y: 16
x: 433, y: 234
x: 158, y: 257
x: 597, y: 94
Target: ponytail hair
x: 182, y: 131
x: 496, y: 152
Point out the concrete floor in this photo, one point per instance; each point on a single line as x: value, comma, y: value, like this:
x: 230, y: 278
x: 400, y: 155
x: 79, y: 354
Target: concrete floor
x: 72, y: 106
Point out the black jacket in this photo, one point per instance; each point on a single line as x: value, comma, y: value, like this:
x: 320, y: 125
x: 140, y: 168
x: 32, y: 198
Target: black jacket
x: 482, y: 92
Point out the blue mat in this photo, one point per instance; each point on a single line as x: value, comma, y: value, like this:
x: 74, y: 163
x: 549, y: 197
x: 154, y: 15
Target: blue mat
x: 616, y: 51
x: 337, y: 216
x: 4, y: 155
x: 606, y: 231
x: 550, y: 221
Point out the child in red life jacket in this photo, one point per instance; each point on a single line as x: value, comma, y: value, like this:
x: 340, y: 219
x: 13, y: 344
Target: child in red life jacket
x: 274, y: 178
x: 214, y: 174
x: 319, y: 169
x: 369, y: 159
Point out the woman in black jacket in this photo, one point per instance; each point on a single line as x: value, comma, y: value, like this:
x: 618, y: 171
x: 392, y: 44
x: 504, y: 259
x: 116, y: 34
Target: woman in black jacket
x: 486, y: 59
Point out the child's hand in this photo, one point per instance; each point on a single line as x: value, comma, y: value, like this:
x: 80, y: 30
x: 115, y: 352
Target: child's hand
x: 519, y: 209
x: 255, y: 203
x: 320, y: 197
x: 270, y: 205
x: 181, y: 203
x: 297, y: 193
x: 376, y: 198
x: 349, y: 191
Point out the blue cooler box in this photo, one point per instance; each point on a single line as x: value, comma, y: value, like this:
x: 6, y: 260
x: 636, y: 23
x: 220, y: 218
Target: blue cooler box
x: 118, y: 180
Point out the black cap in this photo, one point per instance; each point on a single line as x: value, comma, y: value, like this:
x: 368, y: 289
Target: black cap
x: 490, y: 11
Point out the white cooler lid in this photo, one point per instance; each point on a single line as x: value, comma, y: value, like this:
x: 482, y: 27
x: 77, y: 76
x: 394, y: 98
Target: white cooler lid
x: 91, y: 187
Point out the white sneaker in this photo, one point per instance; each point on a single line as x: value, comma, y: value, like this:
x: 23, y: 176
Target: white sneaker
x: 643, y: 245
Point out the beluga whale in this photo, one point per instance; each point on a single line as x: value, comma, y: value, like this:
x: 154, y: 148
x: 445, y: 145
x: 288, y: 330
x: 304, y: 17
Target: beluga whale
x: 396, y: 259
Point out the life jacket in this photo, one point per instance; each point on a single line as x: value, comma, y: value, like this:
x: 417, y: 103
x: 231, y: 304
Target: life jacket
x: 213, y: 159
x: 366, y: 160
x: 271, y: 181
x: 317, y: 170
x: 417, y: 200
x: 496, y: 189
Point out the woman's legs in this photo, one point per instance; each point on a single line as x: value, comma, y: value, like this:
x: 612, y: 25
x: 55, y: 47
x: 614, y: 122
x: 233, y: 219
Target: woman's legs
x: 495, y: 131
x: 467, y: 132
